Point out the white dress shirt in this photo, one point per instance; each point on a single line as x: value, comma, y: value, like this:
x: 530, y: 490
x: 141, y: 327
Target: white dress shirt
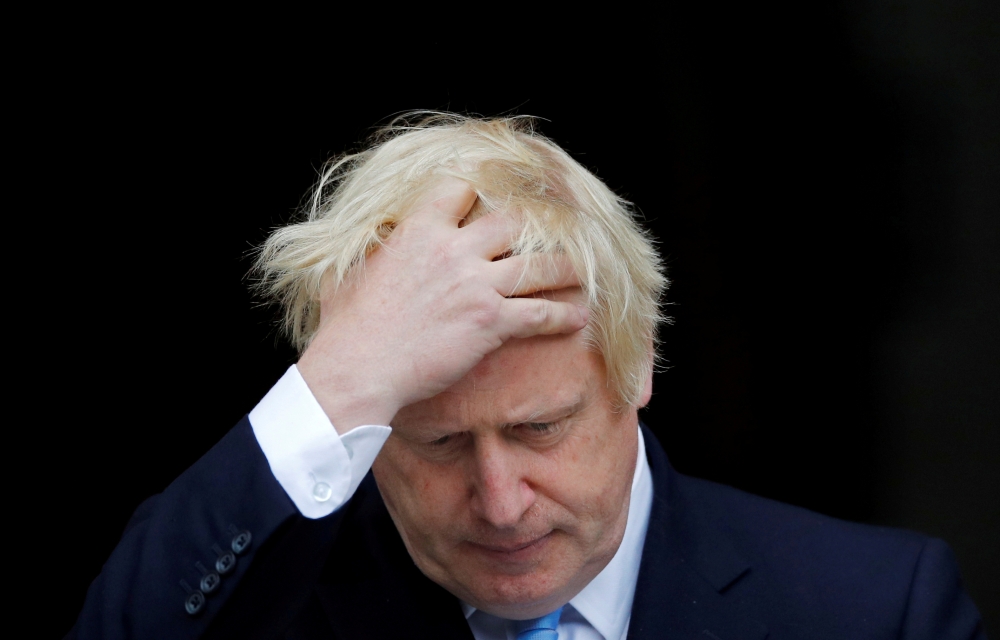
x: 320, y: 471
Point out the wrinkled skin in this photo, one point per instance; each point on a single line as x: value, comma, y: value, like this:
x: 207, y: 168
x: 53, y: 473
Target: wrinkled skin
x: 511, y: 489
x: 426, y: 308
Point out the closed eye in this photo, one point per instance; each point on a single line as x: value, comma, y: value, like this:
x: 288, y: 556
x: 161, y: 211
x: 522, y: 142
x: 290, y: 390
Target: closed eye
x: 449, y: 440
x: 539, y: 432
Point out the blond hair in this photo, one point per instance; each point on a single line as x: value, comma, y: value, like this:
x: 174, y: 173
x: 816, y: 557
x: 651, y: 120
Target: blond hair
x: 560, y: 206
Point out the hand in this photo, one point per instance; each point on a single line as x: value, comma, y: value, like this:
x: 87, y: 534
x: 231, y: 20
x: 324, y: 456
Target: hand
x: 428, y: 306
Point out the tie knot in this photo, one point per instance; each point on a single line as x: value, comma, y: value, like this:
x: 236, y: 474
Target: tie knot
x: 543, y: 628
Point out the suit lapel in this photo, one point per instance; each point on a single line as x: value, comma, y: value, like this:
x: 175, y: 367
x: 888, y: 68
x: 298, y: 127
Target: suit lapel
x: 372, y: 589
x: 686, y: 568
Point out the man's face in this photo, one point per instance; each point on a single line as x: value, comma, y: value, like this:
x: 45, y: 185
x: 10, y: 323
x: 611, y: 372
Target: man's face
x: 511, y: 489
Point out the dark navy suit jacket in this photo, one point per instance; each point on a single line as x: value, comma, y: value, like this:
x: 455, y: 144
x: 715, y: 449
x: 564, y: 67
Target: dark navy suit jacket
x: 717, y: 564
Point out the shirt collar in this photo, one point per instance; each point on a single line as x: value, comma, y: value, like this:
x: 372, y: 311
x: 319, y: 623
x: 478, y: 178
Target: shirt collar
x: 606, y: 602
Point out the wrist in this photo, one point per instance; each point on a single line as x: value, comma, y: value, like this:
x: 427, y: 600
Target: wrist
x: 348, y: 400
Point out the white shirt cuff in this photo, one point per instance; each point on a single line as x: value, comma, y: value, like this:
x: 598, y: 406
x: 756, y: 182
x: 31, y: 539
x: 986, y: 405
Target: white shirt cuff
x: 318, y: 468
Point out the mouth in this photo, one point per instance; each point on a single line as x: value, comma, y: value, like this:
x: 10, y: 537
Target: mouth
x: 514, y: 552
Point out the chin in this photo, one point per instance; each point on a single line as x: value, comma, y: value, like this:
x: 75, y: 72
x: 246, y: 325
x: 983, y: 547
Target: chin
x: 519, y: 597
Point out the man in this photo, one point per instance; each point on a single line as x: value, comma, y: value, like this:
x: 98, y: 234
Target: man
x: 468, y: 283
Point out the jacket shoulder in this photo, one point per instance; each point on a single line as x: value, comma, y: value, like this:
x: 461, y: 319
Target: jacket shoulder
x: 761, y: 528
x: 808, y: 570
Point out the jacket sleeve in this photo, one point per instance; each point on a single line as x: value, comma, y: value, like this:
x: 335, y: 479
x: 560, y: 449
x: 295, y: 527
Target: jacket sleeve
x: 185, y: 551
x: 938, y: 607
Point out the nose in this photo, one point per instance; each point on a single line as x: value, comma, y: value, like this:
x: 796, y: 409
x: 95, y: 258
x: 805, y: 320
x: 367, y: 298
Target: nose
x: 501, y: 492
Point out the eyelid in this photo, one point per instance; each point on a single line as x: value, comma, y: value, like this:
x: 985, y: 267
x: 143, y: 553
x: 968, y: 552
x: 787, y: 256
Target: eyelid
x: 447, y: 438
x: 539, y: 430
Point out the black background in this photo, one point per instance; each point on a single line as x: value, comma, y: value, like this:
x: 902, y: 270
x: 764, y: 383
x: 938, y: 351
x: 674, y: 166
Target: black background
x: 823, y: 183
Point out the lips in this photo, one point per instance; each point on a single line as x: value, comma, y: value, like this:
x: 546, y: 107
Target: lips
x: 518, y: 551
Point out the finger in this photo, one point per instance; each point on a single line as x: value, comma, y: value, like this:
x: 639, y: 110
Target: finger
x: 449, y: 199
x: 526, y: 274
x: 526, y: 317
x: 490, y: 235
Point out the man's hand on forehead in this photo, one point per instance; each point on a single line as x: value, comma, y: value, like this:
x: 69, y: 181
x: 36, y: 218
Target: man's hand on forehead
x: 427, y: 307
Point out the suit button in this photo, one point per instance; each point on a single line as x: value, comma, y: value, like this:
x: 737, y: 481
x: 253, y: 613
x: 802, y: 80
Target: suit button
x: 225, y: 563
x: 195, y: 603
x: 210, y: 582
x: 240, y: 542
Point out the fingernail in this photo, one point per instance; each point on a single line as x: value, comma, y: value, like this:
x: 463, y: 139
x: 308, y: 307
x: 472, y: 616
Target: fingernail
x: 584, y: 313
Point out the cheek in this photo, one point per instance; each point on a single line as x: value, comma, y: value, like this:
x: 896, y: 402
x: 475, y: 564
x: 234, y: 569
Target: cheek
x: 421, y: 497
x: 597, y: 474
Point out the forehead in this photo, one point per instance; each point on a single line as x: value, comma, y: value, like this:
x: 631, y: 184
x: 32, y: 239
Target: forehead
x: 519, y: 382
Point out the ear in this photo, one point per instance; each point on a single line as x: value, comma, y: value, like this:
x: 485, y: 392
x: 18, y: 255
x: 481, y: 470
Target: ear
x: 647, y: 389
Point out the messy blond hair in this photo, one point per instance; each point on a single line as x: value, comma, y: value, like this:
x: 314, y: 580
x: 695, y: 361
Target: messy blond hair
x: 559, y: 205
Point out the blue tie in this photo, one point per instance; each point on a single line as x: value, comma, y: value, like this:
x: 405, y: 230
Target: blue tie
x: 543, y: 628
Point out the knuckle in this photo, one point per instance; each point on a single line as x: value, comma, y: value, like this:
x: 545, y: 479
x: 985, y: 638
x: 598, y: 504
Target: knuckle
x: 536, y: 314
x: 452, y: 246
x: 485, y: 315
